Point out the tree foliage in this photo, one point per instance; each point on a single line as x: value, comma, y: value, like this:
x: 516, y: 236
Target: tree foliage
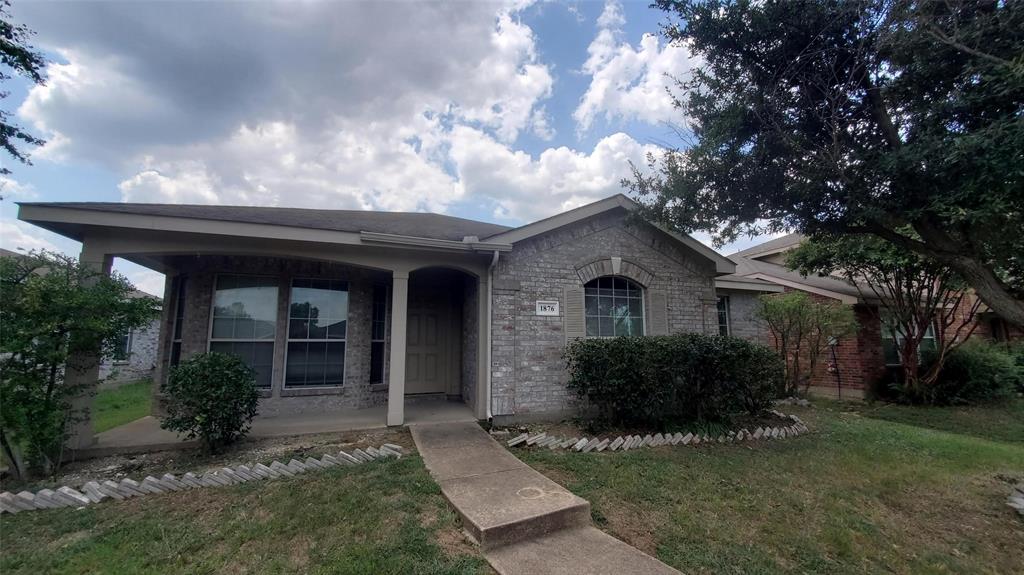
x: 213, y: 397
x: 54, y: 310
x: 854, y: 116
x: 914, y: 293
x: 802, y: 329
x: 17, y: 55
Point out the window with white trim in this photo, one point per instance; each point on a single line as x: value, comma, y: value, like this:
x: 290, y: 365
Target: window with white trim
x: 723, y: 315
x: 245, y: 321
x: 317, y: 323
x: 614, y: 307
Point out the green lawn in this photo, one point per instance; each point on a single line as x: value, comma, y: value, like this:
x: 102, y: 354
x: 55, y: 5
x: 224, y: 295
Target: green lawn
x: 386, y: 517
x: 871, y: 490
x: 121, y: 405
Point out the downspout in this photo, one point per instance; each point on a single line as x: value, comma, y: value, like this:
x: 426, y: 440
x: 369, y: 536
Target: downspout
x: 490, y: 280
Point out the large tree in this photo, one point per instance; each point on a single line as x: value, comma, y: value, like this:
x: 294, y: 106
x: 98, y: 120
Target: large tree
x: 17, y: 55
x: 854, y: 116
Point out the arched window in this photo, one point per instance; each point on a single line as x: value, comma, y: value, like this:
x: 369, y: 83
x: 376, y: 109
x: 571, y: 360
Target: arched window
x: 614, y: 307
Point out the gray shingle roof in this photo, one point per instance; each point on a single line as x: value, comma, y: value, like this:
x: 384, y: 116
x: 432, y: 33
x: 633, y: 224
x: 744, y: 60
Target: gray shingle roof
x: 418, y: 224
x: 770, y: 245
x: 747, y: 266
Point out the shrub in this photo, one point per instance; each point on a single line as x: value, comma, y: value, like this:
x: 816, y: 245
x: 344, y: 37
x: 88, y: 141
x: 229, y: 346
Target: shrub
x: 975, y: 372
x: 213, y: 397
x: 662, y: 380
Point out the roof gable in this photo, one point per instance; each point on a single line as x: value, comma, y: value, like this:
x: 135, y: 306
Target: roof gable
x: 723, y: 265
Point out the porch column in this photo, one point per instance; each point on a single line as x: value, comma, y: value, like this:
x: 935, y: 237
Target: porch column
x: 396, y: 368
x: 83, y: 369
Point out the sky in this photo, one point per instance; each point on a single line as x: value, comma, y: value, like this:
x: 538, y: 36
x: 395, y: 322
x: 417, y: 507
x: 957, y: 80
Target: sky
x: 504, y: 112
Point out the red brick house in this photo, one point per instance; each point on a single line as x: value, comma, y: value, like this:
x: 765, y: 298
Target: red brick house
x: 854, y: 363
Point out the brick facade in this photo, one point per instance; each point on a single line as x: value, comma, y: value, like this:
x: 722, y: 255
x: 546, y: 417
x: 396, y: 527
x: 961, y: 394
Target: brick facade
x: 141, y: 360
x: 200, y: 274
x: 527, y: 369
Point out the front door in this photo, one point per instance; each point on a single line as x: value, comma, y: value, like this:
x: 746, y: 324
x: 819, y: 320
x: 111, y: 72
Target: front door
x: 426, y: 356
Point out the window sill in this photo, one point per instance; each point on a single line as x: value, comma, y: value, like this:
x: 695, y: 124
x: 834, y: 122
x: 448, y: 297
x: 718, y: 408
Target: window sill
x: 374, y: 387
x: 302, y: 392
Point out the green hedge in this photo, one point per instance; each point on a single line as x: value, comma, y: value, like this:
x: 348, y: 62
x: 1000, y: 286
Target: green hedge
x: 976, y: 372
x: 665, y: 380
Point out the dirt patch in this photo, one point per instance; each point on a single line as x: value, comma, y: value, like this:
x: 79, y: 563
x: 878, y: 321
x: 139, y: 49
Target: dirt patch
x: 631, y: 525
x: 251, y: 451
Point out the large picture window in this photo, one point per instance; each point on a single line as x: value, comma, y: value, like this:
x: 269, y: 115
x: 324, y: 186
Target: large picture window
x: 317, y: 322
x: 614, y: 307
x: 244, y: 321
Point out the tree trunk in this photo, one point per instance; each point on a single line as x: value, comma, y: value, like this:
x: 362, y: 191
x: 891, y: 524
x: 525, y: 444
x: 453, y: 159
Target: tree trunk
x: 13, y: 455
x: 991, y: 290
x: 938, y: 245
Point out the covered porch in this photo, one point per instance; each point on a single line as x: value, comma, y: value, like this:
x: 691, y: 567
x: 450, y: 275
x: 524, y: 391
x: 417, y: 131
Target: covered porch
x: 145, y: 435
x: 343, y: 329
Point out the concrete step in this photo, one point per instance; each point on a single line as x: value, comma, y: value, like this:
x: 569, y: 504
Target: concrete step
x: 500, y: 498
x: 509, y: 506
x: 583, y: 550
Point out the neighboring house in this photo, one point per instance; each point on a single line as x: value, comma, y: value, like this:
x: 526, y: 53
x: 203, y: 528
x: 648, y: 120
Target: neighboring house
x: 350, y: 309
x: 856, y: 362
x: 136, y: 357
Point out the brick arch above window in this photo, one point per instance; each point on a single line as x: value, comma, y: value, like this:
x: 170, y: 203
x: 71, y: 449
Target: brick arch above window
x: 615, y: 266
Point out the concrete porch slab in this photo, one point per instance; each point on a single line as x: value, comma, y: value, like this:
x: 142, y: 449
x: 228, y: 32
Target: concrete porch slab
x: 145, y: 435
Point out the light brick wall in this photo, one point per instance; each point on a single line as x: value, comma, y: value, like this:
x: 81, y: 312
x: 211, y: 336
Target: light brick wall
x: 141, y: 359
x: 528, y: 373
x: 743, y: 322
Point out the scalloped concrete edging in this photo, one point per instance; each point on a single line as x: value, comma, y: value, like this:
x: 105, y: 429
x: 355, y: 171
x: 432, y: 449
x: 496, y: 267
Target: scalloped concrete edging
x: 585, y: 445
x: 95, y: 491
x: 1016, y: 498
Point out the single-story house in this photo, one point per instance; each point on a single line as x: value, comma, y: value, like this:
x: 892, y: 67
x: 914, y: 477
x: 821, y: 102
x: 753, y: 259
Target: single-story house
x: 859, y: 361
x: 349, y: 309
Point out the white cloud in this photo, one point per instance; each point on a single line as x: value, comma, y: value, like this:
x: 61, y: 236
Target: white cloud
x: 525, y: 188
x: 300, y: 105
x: 626, y: 82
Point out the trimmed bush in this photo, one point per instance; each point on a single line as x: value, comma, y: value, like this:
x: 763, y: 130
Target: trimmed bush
x: 662, y: 380
x: 211, y: 396
x: 975, y: 372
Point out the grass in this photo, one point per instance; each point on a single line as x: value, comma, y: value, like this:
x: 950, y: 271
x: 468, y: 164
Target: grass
x: 872, y: 489
x: 386, y: 517
x: 121, y: 405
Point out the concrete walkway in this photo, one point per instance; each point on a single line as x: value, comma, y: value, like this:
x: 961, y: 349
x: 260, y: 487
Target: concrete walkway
x: 524, y: 522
